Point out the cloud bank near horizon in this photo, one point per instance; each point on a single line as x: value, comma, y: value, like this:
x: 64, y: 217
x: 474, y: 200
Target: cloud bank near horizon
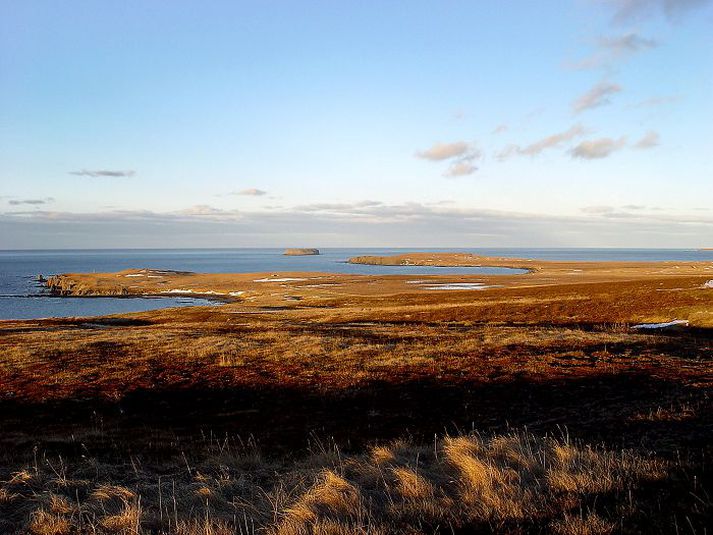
x: 363, y: 223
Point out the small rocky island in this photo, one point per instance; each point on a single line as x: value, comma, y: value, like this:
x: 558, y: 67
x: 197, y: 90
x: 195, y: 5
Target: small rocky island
x: 301, y: 252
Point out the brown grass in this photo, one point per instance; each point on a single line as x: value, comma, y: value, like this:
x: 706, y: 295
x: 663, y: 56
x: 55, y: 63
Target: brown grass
x: 503, y: 482
x: 148, y: 423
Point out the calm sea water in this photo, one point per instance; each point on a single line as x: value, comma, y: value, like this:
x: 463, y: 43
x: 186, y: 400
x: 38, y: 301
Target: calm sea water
x: 22, y: 298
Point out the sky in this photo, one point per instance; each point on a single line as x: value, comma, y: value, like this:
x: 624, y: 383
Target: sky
x: 266, y: 123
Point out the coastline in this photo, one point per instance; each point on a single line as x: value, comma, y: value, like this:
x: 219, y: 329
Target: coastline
x: 314, y: 290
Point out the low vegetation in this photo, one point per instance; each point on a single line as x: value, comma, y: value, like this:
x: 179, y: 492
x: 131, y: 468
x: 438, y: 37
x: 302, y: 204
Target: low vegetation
x: 518, y: 410
x: 513, y: 482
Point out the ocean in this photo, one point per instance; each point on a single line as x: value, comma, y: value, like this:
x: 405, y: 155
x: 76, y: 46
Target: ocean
x: 21, y: 297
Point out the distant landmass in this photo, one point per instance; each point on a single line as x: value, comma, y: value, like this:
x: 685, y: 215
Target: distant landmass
x: 301, y: 252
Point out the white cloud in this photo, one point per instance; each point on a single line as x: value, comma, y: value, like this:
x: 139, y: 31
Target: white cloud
x: 626, y: 11
x: 533, y: 149
x: 597, y: 148
x: 31, y: 202
x: 461, y: 154
x: 627, y: 43
x: 443, y: 151
x: 596, y: 96
x: 648, y: 140
x: 103, y: 173
x: 461, y: 168
x: 627, y: 211
x: 615, y: 48
x: 652, y: 102
x: 250, y: 192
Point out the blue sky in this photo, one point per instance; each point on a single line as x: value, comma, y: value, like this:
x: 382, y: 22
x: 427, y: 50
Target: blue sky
x: 412, y: 123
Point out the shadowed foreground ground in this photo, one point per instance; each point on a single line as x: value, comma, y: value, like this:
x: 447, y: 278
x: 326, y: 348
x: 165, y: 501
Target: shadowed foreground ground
x: 533, y: 409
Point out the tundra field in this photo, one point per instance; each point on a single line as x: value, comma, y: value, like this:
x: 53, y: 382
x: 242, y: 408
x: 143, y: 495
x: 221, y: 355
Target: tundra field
x: 542, y: 402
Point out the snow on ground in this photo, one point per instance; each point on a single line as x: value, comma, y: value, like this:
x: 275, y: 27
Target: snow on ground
x: 199, y: 292
x: 284, y: 279
x: 458, y: 286
x: 661, y: 325
x: 451, y: 285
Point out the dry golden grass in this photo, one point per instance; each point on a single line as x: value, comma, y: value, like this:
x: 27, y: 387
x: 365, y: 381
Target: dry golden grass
x: 44, y: 523
x: 506, y: 482
x: 589, y: 524
x: 77, y: 361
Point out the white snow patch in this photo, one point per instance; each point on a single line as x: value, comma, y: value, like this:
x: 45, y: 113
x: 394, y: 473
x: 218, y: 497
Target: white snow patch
x: 661, y: 325
x: 178, y: 291
x: 236, y: 294
x: 415, y: 282
x: 284, y: 279
x: 458, y: 286
x: 134, y: 275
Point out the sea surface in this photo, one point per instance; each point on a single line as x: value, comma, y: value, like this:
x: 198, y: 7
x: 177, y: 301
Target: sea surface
x: 21, y: 297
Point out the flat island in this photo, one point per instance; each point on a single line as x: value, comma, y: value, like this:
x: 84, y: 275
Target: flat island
x: 301, y: 252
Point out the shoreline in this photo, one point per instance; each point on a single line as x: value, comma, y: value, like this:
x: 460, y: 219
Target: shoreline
x: 665, y: 282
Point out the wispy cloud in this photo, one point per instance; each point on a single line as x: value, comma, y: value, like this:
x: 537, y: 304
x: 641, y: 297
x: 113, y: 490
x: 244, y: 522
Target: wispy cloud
x: 108, y: 173
x: 33, y: 202
x: 653, y: 102
x: 597, y: 96
x: 648, y: 141
x: 627, y: 211
x: 597, y: 148
x: 626, y: 11
x: 461, y: 168
x: 627, y: 43
x: 500, y: 129
x: 610, y: 49
x: 461, y: 155
x: 598, y: 209
x: 250, y: 192
x: 443, y: 151
x: 549, y: 142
